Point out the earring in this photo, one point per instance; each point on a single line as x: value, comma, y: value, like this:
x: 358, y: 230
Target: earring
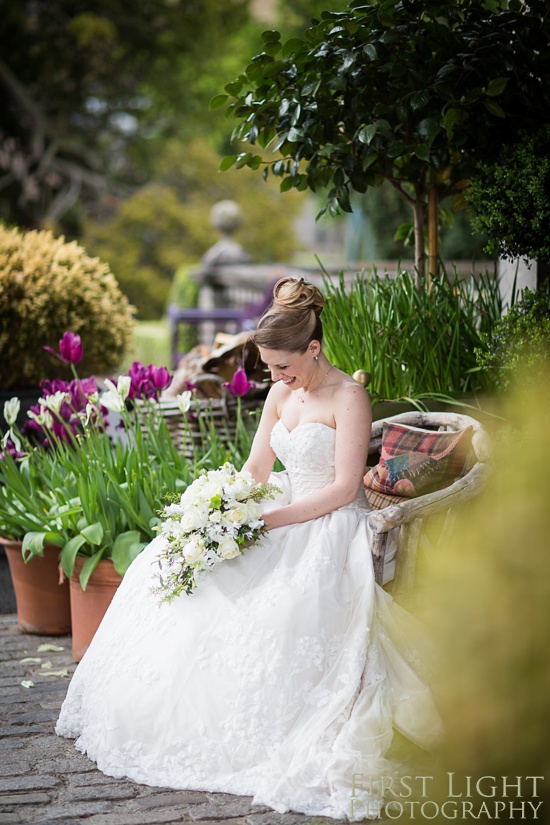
x: 315, y: 357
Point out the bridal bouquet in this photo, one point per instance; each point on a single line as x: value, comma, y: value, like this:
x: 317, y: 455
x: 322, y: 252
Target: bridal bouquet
x: 215, y: 519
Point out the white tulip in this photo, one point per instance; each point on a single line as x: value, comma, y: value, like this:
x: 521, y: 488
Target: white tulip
x: 11, y: 410
x: 184, y: 401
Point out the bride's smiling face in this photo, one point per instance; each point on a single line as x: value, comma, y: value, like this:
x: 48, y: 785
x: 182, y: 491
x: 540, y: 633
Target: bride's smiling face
x: 294, y: 369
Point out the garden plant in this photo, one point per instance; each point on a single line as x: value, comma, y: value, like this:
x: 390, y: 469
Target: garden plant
x: 48, y: 286
x: 94, y: 492
x: 415, y: 344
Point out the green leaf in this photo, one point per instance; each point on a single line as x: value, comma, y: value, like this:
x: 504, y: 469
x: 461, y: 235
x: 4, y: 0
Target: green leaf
x: 234, y: 88
x: 343, y: 200
x: 366, y: 133
x: 497, y: 86
x: 272, y: 48
x: 242, y: 159
x: 429, y: 128
x: 295, y: 134
x: 370, y: 50
x: 383, y: 125
x: 396, y: 148
x: 420, y: 99
x: 227, y: 162
x: 68, y: 554
x: 450, y: 120
x: 273, y: 68
x: 370, y: 158
x: 218, y: 101
x: 93, y: 533
x: 286, y: 184
x: 403, y: 232
x: 292, y: 46
x: 422, y: 152
x: 33, y: 545
x: 126, y: 547
x: 494, y: 108
x: 271, y: 36
x: 88, y: 568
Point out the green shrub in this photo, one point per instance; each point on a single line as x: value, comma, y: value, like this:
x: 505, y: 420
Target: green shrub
x: 510, y: 198
x: 520, y: 343
x: 48, y: 286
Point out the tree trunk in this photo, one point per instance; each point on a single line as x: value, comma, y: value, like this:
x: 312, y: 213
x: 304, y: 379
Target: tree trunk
x: 433, y: 233
x: 419, y: 252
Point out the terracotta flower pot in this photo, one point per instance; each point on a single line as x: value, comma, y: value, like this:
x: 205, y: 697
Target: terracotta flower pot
x: 89, y: 606
x: 43, y: 605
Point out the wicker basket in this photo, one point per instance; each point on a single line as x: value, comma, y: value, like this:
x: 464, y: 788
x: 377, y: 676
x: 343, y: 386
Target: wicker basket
x: 191, y: 432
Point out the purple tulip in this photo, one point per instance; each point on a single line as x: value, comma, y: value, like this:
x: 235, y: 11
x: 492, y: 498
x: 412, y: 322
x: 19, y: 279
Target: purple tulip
x: 79, y: 392
x: 240, y: 384
x: 11, y: 450
x: 70, y: 348
x: 147, y: 382
x: 161, y: 378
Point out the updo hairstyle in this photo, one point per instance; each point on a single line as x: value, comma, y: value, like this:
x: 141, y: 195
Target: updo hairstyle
x: 294, y: 318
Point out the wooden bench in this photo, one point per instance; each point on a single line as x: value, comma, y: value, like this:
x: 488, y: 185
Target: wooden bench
x: 408, y: 516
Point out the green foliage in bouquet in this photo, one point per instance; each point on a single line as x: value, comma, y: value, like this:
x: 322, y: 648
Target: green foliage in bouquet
x: 46, y: 287
x: 520, y: 343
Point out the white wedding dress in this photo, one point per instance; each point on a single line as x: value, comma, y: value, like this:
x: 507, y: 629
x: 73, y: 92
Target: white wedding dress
x: 278, y: 678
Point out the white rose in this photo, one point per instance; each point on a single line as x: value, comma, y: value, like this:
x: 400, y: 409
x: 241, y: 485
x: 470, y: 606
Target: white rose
x: 255, y: 510
x: 194, y: 551
x: 195, y: 517
x: 229, y: 548
x: 237, y: 514
x: 241, y: 487
x: 215, y: 516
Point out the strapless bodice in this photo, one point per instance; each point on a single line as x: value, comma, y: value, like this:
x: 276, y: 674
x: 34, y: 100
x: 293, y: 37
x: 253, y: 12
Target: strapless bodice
x: 307, y: 451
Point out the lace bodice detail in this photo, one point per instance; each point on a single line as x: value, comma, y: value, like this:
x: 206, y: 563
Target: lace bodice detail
x: 307, y: 451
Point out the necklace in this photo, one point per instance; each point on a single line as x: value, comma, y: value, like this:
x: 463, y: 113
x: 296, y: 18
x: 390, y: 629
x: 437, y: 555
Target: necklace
x: 301, y: 398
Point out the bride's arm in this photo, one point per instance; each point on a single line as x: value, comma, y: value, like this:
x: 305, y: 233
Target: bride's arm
x: 353, y: 417
x: 262, y: 458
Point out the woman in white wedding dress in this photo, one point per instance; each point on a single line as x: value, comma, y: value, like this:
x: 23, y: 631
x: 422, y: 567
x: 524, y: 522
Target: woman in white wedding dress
x: 285, y: 672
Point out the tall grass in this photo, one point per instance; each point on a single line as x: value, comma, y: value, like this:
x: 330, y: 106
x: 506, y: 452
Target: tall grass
x: 414, y: 343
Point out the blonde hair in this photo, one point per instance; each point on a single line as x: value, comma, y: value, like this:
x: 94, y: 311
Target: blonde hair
x: 294, y: 318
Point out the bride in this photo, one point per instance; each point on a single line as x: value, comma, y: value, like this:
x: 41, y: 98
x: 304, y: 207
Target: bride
x: 281, y: 677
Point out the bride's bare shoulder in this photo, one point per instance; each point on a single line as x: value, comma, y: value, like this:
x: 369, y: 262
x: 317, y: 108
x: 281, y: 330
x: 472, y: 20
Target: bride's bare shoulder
x: 278, y: 394
x: 350, y: 392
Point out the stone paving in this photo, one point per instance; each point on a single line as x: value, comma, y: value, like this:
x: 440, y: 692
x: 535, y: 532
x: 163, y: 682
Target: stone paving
x: 43, y: 779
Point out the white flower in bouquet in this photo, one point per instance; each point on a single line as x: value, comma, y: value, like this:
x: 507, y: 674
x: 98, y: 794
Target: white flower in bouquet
x: 215, y: 519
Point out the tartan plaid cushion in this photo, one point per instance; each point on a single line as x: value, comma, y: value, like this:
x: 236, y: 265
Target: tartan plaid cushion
x: 414, y: 462
x: 380, y: 500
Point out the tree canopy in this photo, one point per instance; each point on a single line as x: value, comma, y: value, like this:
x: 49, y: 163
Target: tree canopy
x: 91, y: 87
x: 409, y: 91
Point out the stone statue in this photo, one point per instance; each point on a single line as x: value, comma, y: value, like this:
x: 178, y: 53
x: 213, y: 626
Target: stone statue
x: 226, y: 217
